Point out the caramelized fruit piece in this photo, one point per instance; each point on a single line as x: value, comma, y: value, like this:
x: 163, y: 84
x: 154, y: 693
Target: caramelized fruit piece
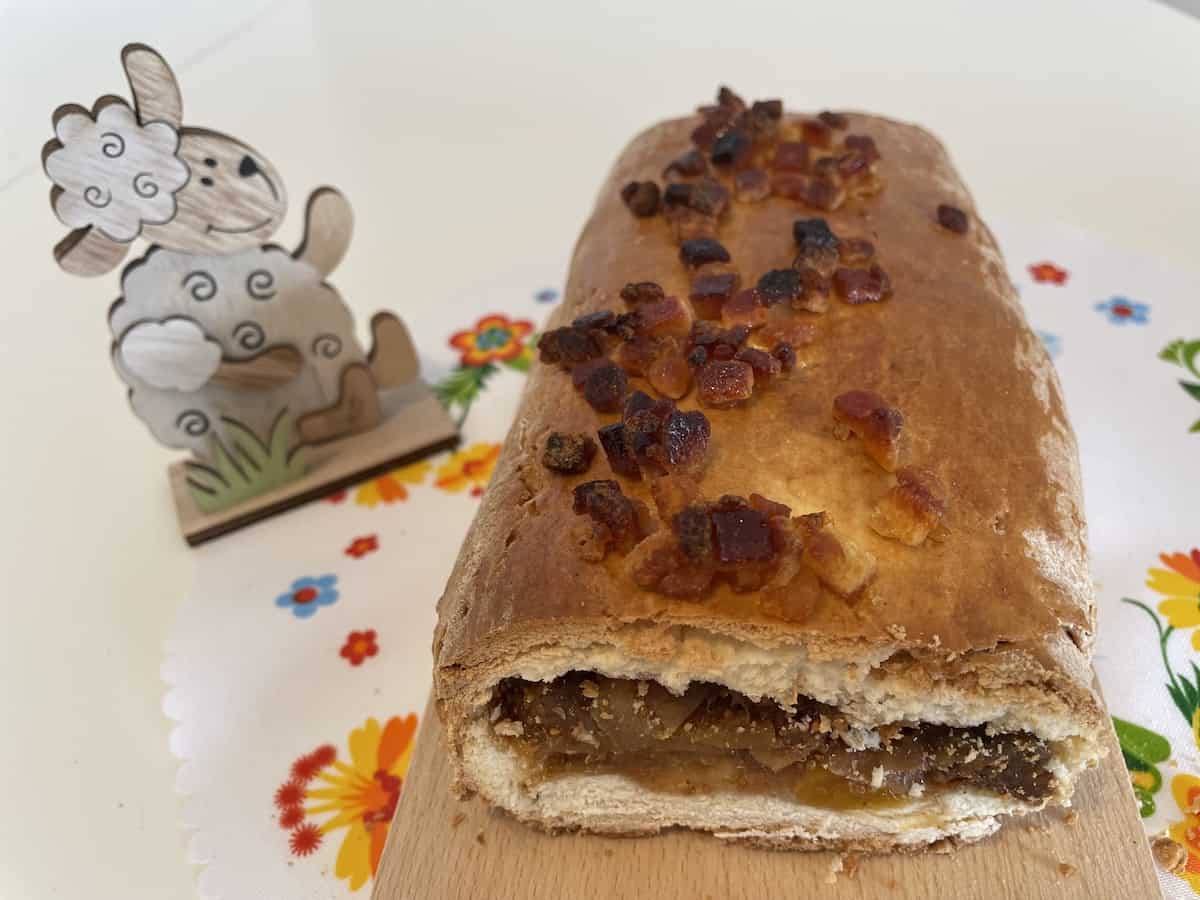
x: 637, y: 293
x: 642, y: 198
x: 569, y: 454
x: 700, y: 251
x: 744, y: 308
x: 858, y: 286
x: 709, y: 293
x: 790, y: 156
x: 816, y: 244
x: 840, y: 564
x: 724, y: 383
x: 911, y: 509
x: 604, y: 386
x: 952, y: 218
x: 617, y: 521
x: 834, y: 120
x: 570, y: 346
x: 664, y: 318
x: 869, y: 417
x: 690, y: 164
x: 779, y: 286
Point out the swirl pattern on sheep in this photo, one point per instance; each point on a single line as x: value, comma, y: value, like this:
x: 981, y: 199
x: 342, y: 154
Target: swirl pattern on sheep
x: 200, y: 284
x: 112, y: 145
x: 327, y: 345
x: 97, y: 196
x: 144, y: 185
x: 260, y: 284
x: 193, y: 422
x: 249, y: 335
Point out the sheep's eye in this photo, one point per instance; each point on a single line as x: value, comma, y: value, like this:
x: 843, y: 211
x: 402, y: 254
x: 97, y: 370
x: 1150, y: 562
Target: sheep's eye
x: 206, y: 181
x: 210, y: 162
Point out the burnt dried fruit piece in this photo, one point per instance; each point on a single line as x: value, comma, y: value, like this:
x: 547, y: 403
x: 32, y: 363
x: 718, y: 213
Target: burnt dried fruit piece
x: 642, y: 198
x: 779, y: 286
x: 657, y: 436
x: 816, y: 244
x: 684, y: 439
x: 605, y: 386
x: 570, y: 454
x: 791, y: 156
x: 728, y: 99
x: 706, y: 196
x: 824, y: 193
x: 701, y: 251
x: 765, y: 365
x: 834, y: 120
x: 770, y: 109
x: 878, y: 425
x: 639, y: 292
x: 858, y: 286
x: 814, y: 293
x: 694, y: 529
x: 751, y: 186
x: 742, y: 534
x: 570, y: 346
x: 786, y: 354
x: 601, y: 319
x: 709, y: 293
x: 952, y: 218
x: 689, y: 165
x: 723, y: 383
x: 732, y: 148
x: 912, y: 509
x: 619, y: 450
x: 617, y: 522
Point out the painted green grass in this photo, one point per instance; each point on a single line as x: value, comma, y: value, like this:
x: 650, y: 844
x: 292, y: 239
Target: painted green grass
x: 243, y: 466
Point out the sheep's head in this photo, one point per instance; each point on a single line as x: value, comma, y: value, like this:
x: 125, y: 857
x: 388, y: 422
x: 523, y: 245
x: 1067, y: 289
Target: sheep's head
x: 122, y: 173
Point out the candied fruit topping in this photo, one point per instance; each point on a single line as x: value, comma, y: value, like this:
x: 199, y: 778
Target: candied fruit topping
x: 618, y: 522
x: 786, y: 354
x: 856, y: 251
x: 824, y: 193
x: 816, y: 132
x: 779, y: 286
x: 701, y: 251
x: 637, y: 293
x: 655, y: 435
x: 864, y: 144
x: 709, y: 293
x: 642, y: 198
x: 858, y: 286
x: 744, y: 308
x: 570, y: 346
x: 834, y: 120
x: 952, y: 218
x: 751, y: 186
x: 689, y: 165
x: 742, y: 534
x: 569, y: 454
x: 816, y: 244
x: 604, y: 386
x: 814, y: 293
x: 912, y: 509
x: 878, y: 425
x: 791, y: 156
x: 771, y: 109
x: 840, y: 565
x: 684, y: 438
x: 618, y: 449
x: 723, y: 383
x: 731, y: 148
x: 693, y: 527
x: 669, y: 373
x: 765, y: 365
x: 665, y: 317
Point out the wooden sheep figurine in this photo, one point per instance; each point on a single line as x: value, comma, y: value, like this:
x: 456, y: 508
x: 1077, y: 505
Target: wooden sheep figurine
x: 230, y: 346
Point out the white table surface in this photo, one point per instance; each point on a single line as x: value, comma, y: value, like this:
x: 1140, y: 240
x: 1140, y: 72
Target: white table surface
x: 467, y: 136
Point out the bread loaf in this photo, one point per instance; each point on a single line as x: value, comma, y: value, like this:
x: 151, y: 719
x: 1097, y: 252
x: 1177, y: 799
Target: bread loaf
x: 849, y: 609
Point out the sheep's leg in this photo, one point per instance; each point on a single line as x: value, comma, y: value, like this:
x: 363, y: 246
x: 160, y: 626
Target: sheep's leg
x: 357, y: 409
x: 87, y: 252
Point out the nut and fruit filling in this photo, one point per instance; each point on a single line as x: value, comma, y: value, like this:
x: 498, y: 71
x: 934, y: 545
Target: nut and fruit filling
x: 583, y: 722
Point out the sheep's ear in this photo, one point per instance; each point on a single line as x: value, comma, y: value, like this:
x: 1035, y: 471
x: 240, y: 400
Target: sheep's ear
x: 155, y: 90
x: 87, y: 252
x: 328, y: 224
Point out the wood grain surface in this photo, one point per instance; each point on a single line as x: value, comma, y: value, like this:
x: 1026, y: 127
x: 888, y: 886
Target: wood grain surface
x: 440, y: 848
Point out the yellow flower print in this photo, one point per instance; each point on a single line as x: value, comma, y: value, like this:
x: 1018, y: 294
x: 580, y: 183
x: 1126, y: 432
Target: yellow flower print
x: 1180, y: 584
x: 472, y: 466
x: 362, y: 794
x: 389, y: 488
x: 1186, y: 790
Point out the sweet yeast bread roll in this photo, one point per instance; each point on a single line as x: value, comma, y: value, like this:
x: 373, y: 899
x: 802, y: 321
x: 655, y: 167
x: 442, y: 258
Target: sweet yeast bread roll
x: 786, y: 543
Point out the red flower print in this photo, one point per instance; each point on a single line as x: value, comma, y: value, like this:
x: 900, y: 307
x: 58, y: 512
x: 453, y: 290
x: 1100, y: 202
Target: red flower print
x: 361, y: 546
x: 291, y: 793
x: 495, y: 338
x: 305, y: 839
x: 359, y: 645
x: 291, y: 817
x: 336, y: 497
x: 305, y: 769
x: 324, y: 755
x: 477, y: 491
x: 1048, y: 272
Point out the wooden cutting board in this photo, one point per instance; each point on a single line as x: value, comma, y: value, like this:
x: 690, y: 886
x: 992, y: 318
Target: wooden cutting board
x: 440, y: 847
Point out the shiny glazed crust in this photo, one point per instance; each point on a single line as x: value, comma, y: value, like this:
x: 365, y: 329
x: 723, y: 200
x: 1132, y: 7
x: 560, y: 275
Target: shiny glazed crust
x: 994, y: 623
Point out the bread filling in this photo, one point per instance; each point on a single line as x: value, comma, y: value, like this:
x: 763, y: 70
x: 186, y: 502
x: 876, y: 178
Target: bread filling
x: 712, y: 738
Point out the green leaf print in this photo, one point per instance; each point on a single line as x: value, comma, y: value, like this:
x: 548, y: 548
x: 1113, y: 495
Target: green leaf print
x: 1141, y: 749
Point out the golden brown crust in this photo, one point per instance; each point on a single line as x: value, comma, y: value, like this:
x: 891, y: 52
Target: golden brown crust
x: 1004, y: 598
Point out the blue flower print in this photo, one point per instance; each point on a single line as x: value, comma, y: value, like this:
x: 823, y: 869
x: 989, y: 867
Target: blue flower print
x: 546, y: 295
x: 1053, y: 343
x: 309, y: 594
x: 1121, y: 310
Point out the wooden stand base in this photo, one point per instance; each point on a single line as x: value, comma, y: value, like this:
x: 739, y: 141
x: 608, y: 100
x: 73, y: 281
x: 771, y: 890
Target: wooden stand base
x: 414, y: 425
x: 439, y: 848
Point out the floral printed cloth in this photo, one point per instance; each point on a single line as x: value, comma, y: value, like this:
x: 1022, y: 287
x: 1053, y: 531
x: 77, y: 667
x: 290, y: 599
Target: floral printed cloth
x: 299, y: 663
